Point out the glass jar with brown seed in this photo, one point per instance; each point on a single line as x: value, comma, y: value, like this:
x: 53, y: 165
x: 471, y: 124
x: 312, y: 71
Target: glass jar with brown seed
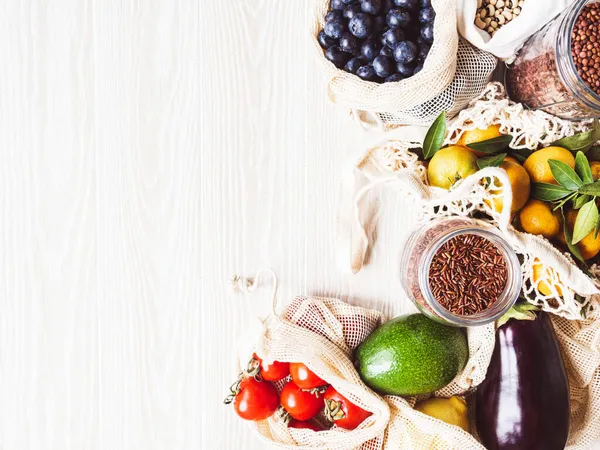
x: 558, y: 68
x: 460, y: 271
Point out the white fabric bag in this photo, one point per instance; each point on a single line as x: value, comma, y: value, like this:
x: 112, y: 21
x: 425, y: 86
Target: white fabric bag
x: 508, y: 39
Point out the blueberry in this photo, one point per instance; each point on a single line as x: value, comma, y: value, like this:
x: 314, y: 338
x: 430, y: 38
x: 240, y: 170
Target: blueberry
x: 337, y: 56
x: 335, y: 14
x: 361, y: 25
x: 418, y: 69
x: 353, y: 65
x: 394, y: 77
x: 427, y: 32
x: 370, y: 49
x: 392, y: 37
x: 425, y: 3
x: 397, y: 18
x: 371, y: 6
x: 351, y: 11
x: 424, y: 50
x: 405, y: 52
x: 426, y: 15
x: 406, y: 70
x: 348, y: 2
x: 325, y: 41
x: 406, y: 4
x: 386, y: 51
x: 379, y: 24
x: 335, y: 28
x: 383, y: 66
x: 349, y: 43
x: 337, y: 4
x: 367, y: 73
x: 421, y: 40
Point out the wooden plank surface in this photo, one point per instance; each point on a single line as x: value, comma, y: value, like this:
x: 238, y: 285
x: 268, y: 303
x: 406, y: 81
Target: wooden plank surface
x: 152, y: 149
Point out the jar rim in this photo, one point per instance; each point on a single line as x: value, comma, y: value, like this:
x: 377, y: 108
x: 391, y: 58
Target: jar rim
x: 568, y: 24
x: 505, y: 300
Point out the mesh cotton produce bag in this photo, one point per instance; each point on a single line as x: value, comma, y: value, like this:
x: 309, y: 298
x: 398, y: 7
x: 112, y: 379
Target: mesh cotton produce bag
x: 321, y: 333
x: 394, y: 165
x: 453, y: 74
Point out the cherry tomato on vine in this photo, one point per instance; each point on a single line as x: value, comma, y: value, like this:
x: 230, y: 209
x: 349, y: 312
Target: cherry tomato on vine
x: 342, y: 411
x: 299, y: 404
x: 273, y: 372
x: 255, y: 400
x: 304, y: 377
x: 306, y: 424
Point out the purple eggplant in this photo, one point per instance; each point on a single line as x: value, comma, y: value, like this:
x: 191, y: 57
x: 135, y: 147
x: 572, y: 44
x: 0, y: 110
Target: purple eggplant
x: 523, y: 403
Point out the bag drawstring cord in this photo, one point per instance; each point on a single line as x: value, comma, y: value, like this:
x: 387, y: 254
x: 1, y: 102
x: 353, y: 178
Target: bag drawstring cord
x: 246, y: 285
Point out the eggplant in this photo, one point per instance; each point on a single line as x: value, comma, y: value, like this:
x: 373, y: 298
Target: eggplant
x: 523, y: 403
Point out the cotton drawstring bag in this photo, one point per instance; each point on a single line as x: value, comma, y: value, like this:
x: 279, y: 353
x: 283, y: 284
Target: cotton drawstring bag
x: 575, y: 312
x: 453, y: 74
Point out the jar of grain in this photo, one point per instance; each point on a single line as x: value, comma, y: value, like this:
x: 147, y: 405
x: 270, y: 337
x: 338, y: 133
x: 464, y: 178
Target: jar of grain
x: 460, y: 271
x: 558, y: 68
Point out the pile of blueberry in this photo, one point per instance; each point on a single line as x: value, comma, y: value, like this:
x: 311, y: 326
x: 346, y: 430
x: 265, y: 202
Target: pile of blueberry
x: 378, y: 40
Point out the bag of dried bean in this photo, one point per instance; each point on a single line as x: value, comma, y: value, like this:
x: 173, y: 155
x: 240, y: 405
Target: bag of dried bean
x: 453, y: 73
x: 501, y: 27
x: 551, y: 279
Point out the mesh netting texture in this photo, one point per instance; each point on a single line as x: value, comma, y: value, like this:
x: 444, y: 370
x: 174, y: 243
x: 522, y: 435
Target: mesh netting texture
x: 573, y: 294
x: 453, y: 74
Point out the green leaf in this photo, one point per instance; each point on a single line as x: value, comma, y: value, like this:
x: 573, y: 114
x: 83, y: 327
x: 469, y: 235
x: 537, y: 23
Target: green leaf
x: 493, y: 145
x: 435, y: 136
x: 590, y: 189
x: 582, y: 168
x: 585, y: 222
x: 580, y: 201
x: 562, y: 202
x: 597, y: 228
x: 521, y: 311
x: 548, y: 192
x: 491, y: 161
x: 521, y: 154
x: 568, y: 238
x: 564, y: 175
x: 581, y: 142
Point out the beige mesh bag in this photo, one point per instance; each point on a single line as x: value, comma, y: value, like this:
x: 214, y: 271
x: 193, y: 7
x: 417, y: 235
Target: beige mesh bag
x: 393, y: 164
x: 453, y: 74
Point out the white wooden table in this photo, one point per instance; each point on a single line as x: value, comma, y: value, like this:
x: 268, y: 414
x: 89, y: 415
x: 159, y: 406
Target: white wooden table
x: 150, y: 150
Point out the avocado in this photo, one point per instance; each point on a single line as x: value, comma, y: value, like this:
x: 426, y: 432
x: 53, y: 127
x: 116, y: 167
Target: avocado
x: 411, y: 355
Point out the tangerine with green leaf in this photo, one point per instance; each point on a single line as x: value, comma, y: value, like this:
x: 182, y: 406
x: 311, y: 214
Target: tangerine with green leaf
x: 449, y: 165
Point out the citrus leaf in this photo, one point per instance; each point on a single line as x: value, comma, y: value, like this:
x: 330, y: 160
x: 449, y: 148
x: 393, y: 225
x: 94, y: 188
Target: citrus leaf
x: 590, y: 189
x: 597, y: 228
x: 582, y: 168
x: 580, y: 201
x: 491, y: 161
x: 581, y: 142
x: 521, y: 154
x: 435, y: 136
x: 568, y: 238
x: 493, y: 145
x: 548, y: 192
x: 585, y: 222
x: 564, y: 175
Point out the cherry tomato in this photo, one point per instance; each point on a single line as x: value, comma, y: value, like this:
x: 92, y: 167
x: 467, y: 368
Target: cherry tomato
x: 306, y: 424
x: 300, y: 404
x: 256, y: 400
x: 304, y: 377
x: 273, y: 372
x: 342, y: 411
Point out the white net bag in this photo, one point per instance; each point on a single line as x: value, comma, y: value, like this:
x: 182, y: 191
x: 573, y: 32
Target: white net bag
x: 452, y: 75
x: 573, y: 294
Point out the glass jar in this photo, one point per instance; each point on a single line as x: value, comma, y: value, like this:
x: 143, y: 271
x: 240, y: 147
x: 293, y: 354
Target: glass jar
x: 544, y: 76
x: 417, y: 257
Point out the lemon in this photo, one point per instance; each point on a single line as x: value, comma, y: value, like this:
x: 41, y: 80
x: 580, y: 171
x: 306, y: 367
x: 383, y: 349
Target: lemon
x: 451, y: 410
x: 521, y: 185
x: 595, y: 166
x: 549, y: 276
x: 537, y: 164
x: 449, y: 165
x: 538, y: 218
x: 478, y: 135
x: 588, y: 246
